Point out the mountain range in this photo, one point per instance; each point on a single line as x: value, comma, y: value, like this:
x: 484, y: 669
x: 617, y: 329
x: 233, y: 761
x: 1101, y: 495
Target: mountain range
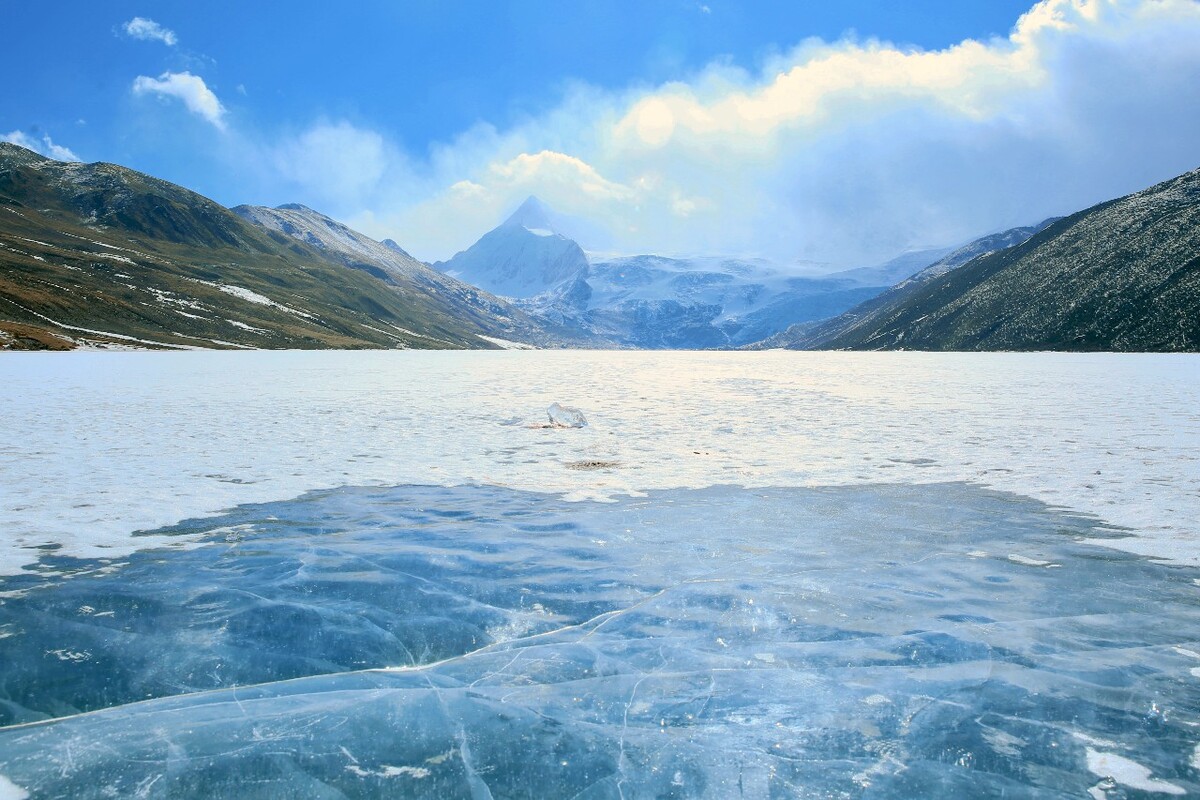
x: 101, y: 255
x: 654, y: 301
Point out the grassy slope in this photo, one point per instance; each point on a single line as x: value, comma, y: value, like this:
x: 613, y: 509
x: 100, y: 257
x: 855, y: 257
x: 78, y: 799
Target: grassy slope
x: 104, y: 248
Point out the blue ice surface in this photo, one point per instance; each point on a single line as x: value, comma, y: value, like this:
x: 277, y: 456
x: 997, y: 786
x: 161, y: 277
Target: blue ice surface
x: 871, y: 641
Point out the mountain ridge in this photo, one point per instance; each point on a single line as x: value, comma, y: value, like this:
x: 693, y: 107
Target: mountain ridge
x: 102, y: 255
x: 1122, y: 275
x: 491, y: 315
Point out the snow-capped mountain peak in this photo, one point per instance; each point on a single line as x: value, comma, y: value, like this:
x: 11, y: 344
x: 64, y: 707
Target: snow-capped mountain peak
x: 532, y: 214
x: 525, y: 255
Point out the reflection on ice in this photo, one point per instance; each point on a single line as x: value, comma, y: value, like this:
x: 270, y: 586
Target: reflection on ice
x: 471, y: 642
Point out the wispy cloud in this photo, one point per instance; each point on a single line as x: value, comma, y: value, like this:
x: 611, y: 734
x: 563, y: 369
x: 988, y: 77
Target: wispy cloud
x: 43, y: 145
x: 337, y: 162
x: 190, y: 89
x: 149, y: 30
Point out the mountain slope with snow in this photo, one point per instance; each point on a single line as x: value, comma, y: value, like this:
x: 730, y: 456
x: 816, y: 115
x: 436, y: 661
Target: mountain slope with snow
x: 101, y: 255
x: 659, y: 302
x: 490, y: 316
x: 1121, y: 276
x: 869, y: 312
x: 524, y: 256
x: 652, y: 301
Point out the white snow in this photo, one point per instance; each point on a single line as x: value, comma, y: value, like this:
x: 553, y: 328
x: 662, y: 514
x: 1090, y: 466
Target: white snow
x: 251, y: 296
x: 115, y: 442
x: 324, y: 233
x: 247, y: 295
x: 506, y: 344
x: 108, y: 334
x: 1128, y: 773
x: 10, y: 791
x: 115, y: 257
x: 407, y: 332
x: 246, y: 327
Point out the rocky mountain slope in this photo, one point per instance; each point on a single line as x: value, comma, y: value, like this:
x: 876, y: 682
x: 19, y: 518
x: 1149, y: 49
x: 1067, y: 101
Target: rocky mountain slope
x: 487, y: 314
x: 1121, y: 276
x: 97, y: 254
x: 875, y: 309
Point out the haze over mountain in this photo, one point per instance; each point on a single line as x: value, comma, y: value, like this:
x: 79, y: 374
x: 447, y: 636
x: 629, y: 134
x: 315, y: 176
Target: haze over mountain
x: 97, y: 253
x: 1123, y: 275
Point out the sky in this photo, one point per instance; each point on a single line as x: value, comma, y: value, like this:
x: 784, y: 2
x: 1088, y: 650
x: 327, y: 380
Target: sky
x: 832, y: 134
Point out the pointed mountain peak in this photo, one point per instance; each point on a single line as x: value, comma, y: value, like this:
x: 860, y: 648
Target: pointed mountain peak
x: 533, y: 214
x: 297, y: 207
x: 390, y: 244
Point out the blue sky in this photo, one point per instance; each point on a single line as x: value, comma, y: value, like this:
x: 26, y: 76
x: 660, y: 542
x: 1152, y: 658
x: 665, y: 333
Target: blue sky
x: 427, y: 121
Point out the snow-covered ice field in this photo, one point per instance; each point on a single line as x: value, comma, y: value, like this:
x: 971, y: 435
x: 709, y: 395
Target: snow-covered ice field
x: 101, y: 444
x: 752, y: 574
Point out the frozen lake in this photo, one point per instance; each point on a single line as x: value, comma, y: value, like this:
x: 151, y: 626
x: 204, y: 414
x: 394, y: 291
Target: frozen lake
x: 102, y: 444
x: 760, y: 575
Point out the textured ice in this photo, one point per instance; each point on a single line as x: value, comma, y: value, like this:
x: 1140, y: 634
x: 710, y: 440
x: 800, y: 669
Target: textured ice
x: 873, y: 641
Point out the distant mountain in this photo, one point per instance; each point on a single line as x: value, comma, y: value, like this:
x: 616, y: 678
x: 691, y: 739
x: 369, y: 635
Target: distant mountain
x: 897, y: 269
x: 482, y: 312
x: 526, y: 255
x: 1123, y: 276
x: 810, y: 334
x: 981, y: 247
x: 659, y: 302
x: 101, y: 254
x: 652, y: 301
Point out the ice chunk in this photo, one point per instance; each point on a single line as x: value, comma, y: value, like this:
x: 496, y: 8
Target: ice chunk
x: 565, y: 416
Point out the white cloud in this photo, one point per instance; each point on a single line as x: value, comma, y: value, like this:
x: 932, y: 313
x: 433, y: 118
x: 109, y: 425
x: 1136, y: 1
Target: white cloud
x: 44, y: 145
x: 187, y: 87
x: 846, y: 152
x: 149, y: 30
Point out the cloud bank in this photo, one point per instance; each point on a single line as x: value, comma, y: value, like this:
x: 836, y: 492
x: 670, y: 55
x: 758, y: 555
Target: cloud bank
x: 44, y: 145
x: 149, y: 30
x: 841, y: 153
x: 188, y: 88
